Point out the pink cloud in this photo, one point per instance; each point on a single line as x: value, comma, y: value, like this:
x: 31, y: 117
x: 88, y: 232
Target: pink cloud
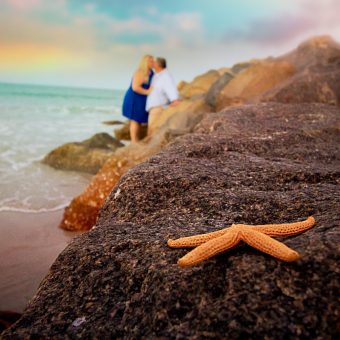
x: 23, y: 4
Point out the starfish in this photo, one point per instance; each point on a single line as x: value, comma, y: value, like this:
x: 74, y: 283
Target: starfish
x: 257, y: 236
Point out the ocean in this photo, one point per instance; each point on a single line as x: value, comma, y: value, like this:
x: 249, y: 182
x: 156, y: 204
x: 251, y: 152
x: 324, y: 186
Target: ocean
x: 33, y: 121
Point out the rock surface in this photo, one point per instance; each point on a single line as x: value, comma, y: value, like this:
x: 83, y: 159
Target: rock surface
x: 252, y: 82
x: 200, y: 85
x: 255, y: 164
x: 82, y: 212
x: 178, y: 117
x: 87, y: 156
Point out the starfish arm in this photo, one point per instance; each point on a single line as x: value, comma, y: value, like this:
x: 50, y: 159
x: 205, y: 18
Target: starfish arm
x: 268, y: 245
x: 196, y: 240
x: 285, y: 229
x: 210, y: 248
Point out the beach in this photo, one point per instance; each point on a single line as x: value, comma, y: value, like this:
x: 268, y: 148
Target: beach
x: 29, y: 244
x: 33, y: 121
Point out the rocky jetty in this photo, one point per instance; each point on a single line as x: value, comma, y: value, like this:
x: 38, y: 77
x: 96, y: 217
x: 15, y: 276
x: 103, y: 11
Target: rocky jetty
x: 310, y: 73
x: 86, y: 156
x: 256, y: 164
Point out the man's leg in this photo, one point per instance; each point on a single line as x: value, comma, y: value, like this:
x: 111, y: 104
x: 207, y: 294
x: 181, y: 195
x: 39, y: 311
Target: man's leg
x: 154, y: 114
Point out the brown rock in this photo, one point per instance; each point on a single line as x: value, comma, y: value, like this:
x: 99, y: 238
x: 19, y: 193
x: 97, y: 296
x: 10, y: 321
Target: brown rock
x: 200, y: 85
x: 254, y: 164
x: 320, y: 50
x: 82, y: 212
x: 113, y: 122
x: 319, y: 83
x: 216, y: 88
x: 87, y: 156
x: 7, y: 318
x: 253, y: 81
x: 179, y: 116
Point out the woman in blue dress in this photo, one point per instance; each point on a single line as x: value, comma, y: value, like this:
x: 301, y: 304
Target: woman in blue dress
x: 135, y: 97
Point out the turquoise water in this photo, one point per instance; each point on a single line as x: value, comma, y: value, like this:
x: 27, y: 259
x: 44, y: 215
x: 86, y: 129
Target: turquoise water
x: 33, y: 121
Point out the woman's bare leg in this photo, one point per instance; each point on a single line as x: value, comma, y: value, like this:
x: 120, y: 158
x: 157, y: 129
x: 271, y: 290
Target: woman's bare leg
x: 134, y: 131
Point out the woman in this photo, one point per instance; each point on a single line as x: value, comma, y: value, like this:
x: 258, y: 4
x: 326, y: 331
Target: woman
x: 135, y: 97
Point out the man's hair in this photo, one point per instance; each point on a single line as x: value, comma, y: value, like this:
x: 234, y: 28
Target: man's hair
x: 161, y: 62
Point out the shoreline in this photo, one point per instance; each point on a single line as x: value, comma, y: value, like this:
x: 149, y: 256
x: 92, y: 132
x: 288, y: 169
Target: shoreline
x: 29, y: 244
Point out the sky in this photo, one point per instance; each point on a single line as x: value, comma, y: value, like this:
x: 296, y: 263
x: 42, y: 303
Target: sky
x: 99, y: 43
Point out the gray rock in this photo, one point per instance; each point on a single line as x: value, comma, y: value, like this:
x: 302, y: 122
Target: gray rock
x: 217, y: 87
x: 255, y: 164
x: 87, y: 156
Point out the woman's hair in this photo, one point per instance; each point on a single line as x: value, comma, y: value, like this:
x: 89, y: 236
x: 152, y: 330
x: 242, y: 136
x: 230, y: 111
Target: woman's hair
x: 144, y: 68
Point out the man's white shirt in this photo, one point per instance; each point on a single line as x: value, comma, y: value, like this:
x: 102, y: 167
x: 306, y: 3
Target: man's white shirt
x: 164, y: 90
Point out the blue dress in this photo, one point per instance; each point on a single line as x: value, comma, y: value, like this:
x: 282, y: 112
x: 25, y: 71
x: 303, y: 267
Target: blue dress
x: 134, y: 103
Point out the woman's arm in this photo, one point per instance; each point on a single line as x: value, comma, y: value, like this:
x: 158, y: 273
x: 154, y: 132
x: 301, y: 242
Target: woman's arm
x: 137, y: 82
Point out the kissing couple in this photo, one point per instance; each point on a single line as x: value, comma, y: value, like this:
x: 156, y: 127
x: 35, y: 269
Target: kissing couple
x: 152, y: 88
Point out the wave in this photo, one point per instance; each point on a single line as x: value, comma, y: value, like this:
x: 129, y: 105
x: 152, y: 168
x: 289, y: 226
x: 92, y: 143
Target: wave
x: 31, y: 210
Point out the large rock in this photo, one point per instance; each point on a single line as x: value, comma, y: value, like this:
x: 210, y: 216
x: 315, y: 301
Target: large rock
x: 200, y: 85
x: 320, y: 50
x: 255, y: 164
x: 82, y: 212
x: 87, y: 156
x: 318, y: 83
x: 182, y: 116
x: 216, y: 88
x: 252, y: 82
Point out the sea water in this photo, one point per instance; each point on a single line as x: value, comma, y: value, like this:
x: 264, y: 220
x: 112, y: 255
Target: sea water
x: 33, y: 121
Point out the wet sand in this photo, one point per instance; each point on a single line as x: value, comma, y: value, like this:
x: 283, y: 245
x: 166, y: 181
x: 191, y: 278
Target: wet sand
x: 29, y: 244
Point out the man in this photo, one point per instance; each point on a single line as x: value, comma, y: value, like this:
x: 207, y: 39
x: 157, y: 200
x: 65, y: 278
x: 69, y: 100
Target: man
x: 164, y: 90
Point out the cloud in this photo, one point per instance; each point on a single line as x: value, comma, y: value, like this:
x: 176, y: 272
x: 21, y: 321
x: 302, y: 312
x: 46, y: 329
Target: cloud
x: 276, y: 30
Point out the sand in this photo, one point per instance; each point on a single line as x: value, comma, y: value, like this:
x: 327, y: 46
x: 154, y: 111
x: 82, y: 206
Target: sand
x: 29, y: 244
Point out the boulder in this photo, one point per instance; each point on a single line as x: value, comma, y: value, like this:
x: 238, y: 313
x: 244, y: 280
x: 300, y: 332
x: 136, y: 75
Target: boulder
x: 82, y: 212
x: 252, y: 82
x: 123, y: 133
x: 176, y: 117
x: 266, y: 163
x: 87, y: 156
x: 318, y: 83
x: 112, y: 122
x: 216, y: 88
x: 200, y: 85
x: 319, y: 50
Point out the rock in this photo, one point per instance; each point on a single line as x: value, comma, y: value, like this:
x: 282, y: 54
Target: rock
x: 87, y: 156
x: 319, y: 50
x: 319, y: 83
x: 254, y: 164
x: 82, y: 212
x: 123, y: 133
x: 7, y: 318
x: 113, y: 122
x: 217, y: 87
x: 180, y: 115
x: 200, y: 85
x: 252, y: 82
x: 181, y: 84
x: 237, y: 68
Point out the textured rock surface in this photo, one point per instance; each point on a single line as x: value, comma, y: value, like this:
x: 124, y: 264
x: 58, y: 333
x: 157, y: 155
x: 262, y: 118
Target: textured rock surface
x: 216, y: 88
x: 252, y: 82
x: 318, y: 83
x: 177, y: 117
x: 87, y: 156
x: 255, y: 164
x: 82, y: 212
x: 200, y: 85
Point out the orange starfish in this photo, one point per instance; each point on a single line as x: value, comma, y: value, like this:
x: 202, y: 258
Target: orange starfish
x: 258, y: 236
